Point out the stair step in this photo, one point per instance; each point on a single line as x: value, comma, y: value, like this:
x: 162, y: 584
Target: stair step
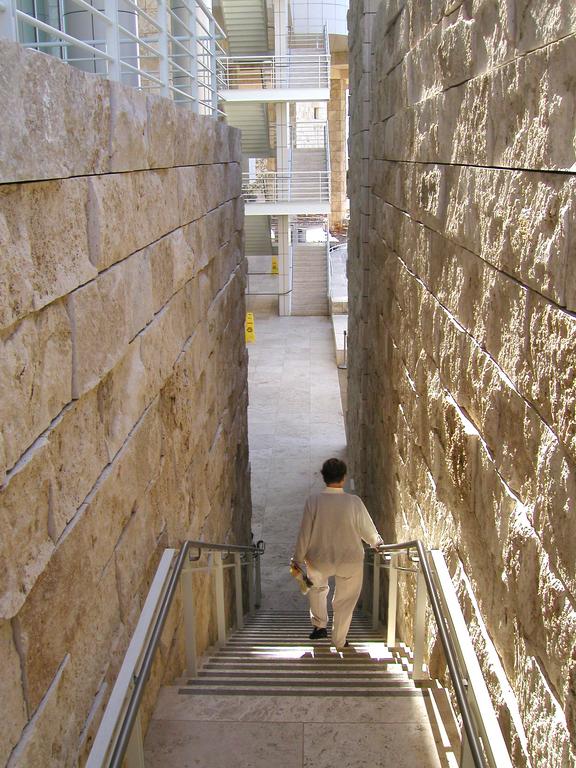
x: 295, y: 680
x: 317, y: 690
x: 299, y: 672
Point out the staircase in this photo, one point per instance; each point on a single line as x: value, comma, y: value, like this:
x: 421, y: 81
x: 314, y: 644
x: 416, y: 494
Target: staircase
x: 309, y: 160
x: 271, y: 696
x: 252, y: 119
x: 246, y: 26
x: 310, y: 280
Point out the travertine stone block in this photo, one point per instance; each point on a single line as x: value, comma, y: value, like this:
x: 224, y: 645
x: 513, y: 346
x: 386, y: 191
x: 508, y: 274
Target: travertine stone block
x: 114, y: 234
x: 161, y: 121
x: 471, y: 292
x: 55, y: 738
x: 13, y: 705
x: 123, y: 380
x: 44, y: 243
x: 26, y: 544
x: 128, y: 129
x: 133, y: 551
x: 35, y: 377
x: 518, y: 221
x: 77, y: 453
x: 79, y: 563
x: 63, y: 130
x: 105, y: 315
x: 457, y: 126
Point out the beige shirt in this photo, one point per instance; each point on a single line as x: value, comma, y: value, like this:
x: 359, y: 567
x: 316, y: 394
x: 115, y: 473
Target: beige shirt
x: 332, y: 530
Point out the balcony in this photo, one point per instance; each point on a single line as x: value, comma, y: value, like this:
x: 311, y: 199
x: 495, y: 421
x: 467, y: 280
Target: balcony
x: 303, y: 74
x: 148, y: 44
x: 269, y: 193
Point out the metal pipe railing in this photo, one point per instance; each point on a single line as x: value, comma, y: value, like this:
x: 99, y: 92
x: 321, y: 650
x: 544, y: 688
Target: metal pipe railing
x: 172, y: 52
x: 272, y: 187
x: 472, y: 741
x: 273, y: 72
x: 114, y: 742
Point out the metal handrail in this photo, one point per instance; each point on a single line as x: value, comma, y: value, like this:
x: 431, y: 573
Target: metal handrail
x: 140, y: 680
x: 447, y: 644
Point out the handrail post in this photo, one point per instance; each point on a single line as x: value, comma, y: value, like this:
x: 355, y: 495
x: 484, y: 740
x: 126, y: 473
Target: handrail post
x: 258, y: 595
x: 239, y: 595
x: 163, y: 47
x: 213, y: 72
x: 195, y: 54
x: 189, y: 621
x: 419, y: 627
x: 466, y: 759
x: 134, y: 757
x: 392, y: 602
x: 250, y: 564
x: 113, y: 40
x: 219, y: 590
x: 376, y: 592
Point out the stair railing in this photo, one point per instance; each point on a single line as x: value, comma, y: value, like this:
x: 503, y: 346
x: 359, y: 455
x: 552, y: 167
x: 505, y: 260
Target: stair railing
x: 119, y: 740
x: 482, y: 743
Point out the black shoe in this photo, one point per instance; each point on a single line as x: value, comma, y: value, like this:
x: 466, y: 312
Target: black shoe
x: 318, y: 633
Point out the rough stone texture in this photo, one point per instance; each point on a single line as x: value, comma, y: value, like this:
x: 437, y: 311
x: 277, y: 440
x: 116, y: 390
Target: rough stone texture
x: 12, y: 704
x: 462, y: 329
x: 123, y: 412
x: 121, y: 129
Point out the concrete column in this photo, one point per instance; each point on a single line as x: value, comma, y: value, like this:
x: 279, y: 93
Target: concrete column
x: 283, y: 143
x: 285, y: 264
x: 337, y: 134
x: 280, y: 27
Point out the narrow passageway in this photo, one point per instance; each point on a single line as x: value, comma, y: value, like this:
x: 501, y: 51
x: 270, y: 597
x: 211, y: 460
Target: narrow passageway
x: 270, y: 696
x: 295, y: 423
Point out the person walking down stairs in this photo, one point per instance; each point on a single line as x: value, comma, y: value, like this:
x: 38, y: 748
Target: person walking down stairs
x: 329, y: 544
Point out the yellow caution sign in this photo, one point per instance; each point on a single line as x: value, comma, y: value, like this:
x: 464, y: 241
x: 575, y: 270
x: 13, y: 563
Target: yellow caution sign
x: 275, y: 266
x: 249, y: 327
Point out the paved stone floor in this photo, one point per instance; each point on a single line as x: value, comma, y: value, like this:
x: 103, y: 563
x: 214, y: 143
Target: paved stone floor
x: 295, y: 423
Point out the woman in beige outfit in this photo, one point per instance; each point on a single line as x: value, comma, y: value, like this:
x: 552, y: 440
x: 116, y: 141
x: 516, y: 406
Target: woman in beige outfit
x: 333, y: 528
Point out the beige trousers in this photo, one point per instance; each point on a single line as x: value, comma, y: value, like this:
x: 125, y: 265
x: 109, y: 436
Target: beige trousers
x: 346, y: 593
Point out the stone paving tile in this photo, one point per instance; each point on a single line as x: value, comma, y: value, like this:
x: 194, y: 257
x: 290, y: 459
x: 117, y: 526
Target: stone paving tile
x: 189, y: 744
x: 362, y: 745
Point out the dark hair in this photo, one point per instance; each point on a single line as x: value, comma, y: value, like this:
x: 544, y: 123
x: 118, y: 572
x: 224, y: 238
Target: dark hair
x: 333, y: 471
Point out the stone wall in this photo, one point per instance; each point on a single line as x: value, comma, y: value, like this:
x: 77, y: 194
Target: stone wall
x: 123, y: 410
x: 463, y: 334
